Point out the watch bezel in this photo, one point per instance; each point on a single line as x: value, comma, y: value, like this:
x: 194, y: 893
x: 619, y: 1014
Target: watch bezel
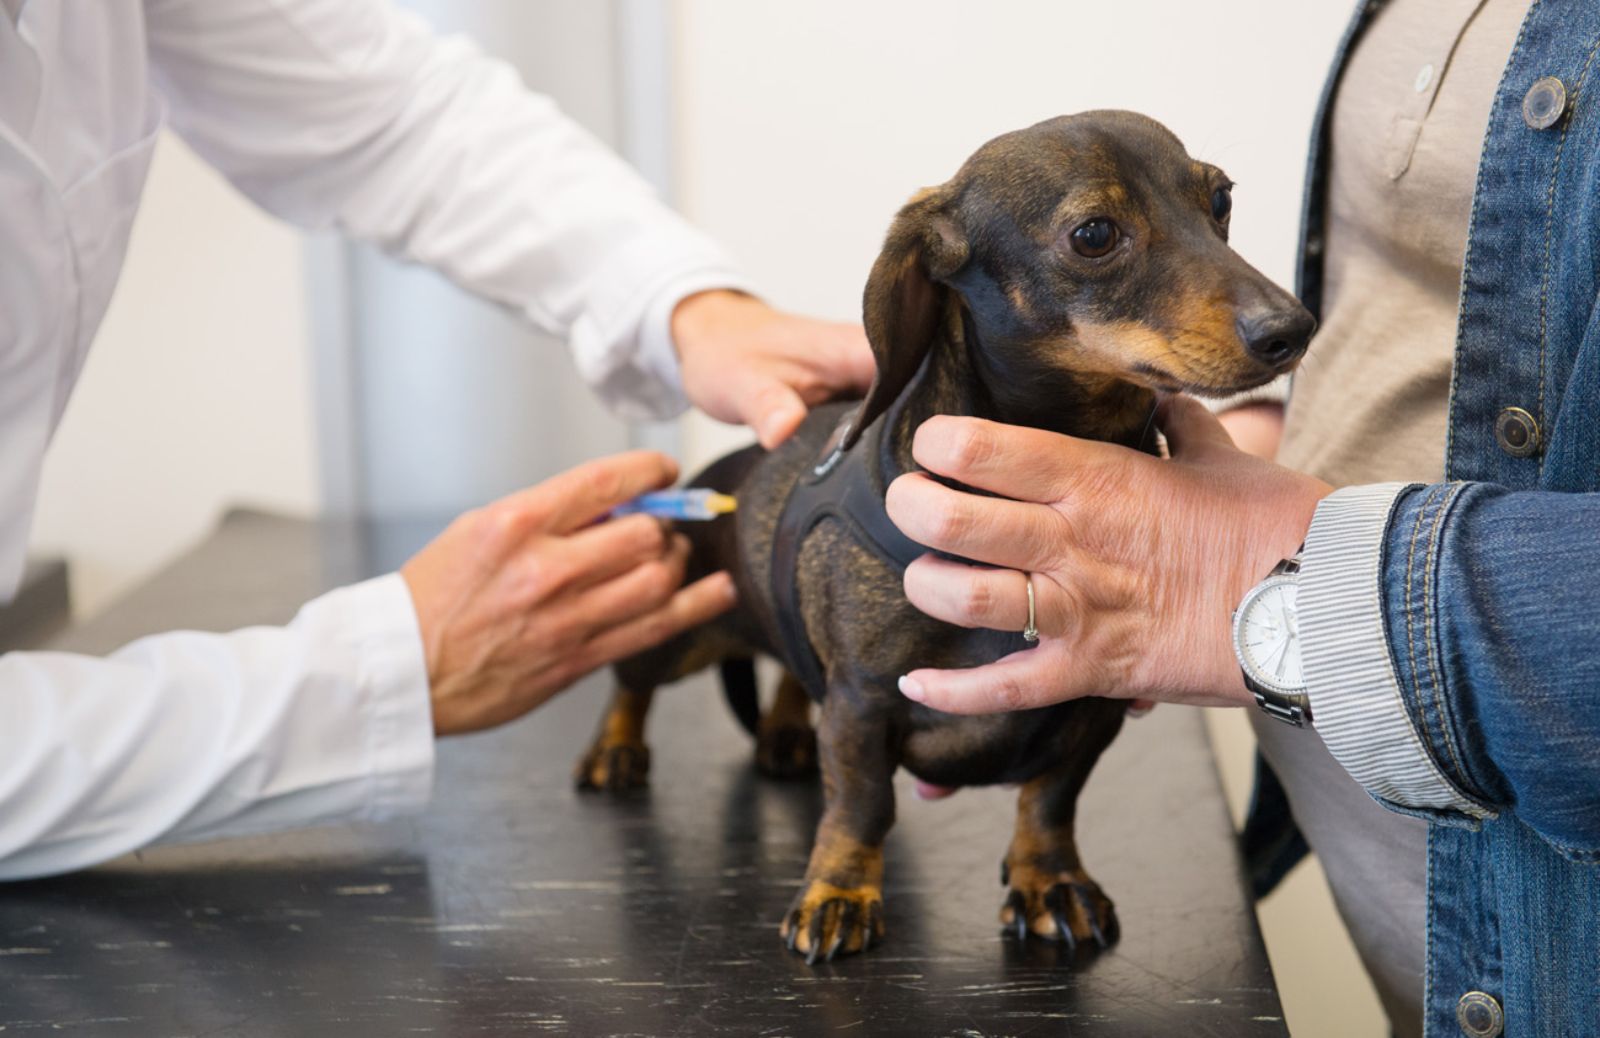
x: 1252, y: 672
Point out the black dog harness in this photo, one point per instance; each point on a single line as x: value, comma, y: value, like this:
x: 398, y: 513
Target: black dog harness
x: 846, y: 485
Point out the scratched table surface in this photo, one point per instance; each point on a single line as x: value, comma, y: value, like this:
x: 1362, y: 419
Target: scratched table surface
x: 514, y: 905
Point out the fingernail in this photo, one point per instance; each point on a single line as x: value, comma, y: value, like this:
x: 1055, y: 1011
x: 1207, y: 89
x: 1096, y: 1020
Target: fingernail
x: 1139, y: 709
x: 911, y: 688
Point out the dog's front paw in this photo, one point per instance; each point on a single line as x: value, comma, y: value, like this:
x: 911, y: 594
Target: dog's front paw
x: 1067, y: 907
x: 614, y: 767
x: 786, y: 751
x: 826, y: 921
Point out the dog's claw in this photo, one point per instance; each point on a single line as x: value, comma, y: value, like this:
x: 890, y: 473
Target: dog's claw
x: 1005, y: 873
x: 1054, y: 901
x: 849, y: 912
x: 824, y: 929
x: 1067, y: 907
x: 1087, y: 896
x: 613, y: 769
x: 814, y: 932
x: 1017, y: 925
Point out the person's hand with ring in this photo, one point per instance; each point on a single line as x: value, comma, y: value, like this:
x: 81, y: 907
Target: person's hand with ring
x: 1136, y: 563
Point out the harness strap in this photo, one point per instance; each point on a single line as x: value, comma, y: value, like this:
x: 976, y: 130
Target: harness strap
x: 846, y: 486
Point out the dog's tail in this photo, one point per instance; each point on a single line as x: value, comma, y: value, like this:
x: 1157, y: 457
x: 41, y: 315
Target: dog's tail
x: 739, y: 687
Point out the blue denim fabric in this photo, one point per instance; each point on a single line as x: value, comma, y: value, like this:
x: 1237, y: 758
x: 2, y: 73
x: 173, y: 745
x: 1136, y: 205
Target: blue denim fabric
x: 1490, y: 579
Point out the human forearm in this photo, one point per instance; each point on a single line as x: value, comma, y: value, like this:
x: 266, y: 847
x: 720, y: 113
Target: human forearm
x: 356, y: 116
x: 194, y: 736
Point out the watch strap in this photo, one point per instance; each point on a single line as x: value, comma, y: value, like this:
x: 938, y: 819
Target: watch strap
x: 1292, y: 708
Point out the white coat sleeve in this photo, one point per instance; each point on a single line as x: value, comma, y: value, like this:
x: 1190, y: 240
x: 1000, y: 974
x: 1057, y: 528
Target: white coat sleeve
x: 191, y: 736
x: 349, y: 113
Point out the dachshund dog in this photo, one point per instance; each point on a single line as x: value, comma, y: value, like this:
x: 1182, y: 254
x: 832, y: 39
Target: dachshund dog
x: 1067, y: 275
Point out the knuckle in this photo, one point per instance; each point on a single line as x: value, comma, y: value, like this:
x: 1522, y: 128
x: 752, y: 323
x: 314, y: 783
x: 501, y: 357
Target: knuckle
x: 606, y: 481
x: 654, y: 537
x: 1009, y: 694
x: 658, y: 627
x: 503, y: 523
x: 659, y: 580
x: 977, y: 599
x: 641, y: 536
x: 950, y: 521
x: 537, y: 580
x: 968, y: 445
x: 559, y: 636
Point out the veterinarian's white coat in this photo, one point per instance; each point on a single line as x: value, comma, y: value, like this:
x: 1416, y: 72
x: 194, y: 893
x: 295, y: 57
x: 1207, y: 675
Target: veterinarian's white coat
x: 339, y: 113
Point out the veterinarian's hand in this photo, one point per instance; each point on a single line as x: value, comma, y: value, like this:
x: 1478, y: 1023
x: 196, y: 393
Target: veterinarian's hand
x: 519, y: 599
x: 1137, y: 562
x: 745, y: 363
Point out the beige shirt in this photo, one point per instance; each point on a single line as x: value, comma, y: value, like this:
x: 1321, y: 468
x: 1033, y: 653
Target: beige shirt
x: 1371, y: 400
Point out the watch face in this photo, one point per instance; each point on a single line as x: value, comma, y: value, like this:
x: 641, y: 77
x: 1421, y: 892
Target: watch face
x: 1268, y: 636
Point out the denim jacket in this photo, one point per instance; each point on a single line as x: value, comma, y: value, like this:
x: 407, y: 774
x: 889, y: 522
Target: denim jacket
x: 1452, y: 632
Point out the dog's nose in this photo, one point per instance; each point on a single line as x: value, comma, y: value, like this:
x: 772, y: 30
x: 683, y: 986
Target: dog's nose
x: 1277, y: 337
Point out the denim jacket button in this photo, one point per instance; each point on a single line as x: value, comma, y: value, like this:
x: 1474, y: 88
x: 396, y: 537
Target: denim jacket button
x: 1545, y: 103
x: 1517, y: 433
x: 1480, y: 1015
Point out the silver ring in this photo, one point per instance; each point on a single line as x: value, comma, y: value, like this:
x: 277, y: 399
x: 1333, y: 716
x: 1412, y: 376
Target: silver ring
x: 1030, y: 633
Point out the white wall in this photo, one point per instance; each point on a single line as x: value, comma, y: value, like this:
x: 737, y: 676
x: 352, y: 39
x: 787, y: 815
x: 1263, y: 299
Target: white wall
x: 196, y: 393
x: 804, y: 126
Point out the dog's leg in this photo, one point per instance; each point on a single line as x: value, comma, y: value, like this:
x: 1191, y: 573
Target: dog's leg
x: 1051, y: 896
x: 618, y: 759
x: 786, y: 747
x: 839, y: 909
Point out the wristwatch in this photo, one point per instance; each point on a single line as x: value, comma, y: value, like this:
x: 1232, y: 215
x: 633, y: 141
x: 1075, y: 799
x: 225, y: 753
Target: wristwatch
x: 1266, y: 639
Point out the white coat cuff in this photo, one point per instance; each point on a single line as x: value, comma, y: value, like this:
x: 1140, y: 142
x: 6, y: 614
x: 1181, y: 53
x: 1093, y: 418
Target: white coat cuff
x: 1350, y: 675
x: 395, y: 672
x: 623, y: 341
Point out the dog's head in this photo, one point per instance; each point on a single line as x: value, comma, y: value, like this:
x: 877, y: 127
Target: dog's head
x: 1089, y: 244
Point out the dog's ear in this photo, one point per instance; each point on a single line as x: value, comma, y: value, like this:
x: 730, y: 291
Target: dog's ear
x: 905, y: 298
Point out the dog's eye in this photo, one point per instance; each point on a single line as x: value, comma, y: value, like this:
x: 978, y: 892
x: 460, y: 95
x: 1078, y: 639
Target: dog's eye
x: 1094, y: 238
x: 1221, y: 204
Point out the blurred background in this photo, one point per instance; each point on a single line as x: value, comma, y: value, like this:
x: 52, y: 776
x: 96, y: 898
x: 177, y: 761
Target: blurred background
x: 244, y: 362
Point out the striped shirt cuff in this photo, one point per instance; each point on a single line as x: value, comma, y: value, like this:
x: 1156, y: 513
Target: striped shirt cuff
x: 1355, y: 695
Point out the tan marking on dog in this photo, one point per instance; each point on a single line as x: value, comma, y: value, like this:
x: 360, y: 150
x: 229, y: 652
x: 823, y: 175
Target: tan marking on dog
x: 618, y: 758
x: 1205, y: 354
x: 1044, y: 857
x: 842, y: 869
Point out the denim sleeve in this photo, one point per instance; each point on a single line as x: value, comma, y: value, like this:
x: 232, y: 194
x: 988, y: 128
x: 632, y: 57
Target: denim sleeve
x: 1452, y: 649
x: 1357, y: 704
x: 1490, y: 607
